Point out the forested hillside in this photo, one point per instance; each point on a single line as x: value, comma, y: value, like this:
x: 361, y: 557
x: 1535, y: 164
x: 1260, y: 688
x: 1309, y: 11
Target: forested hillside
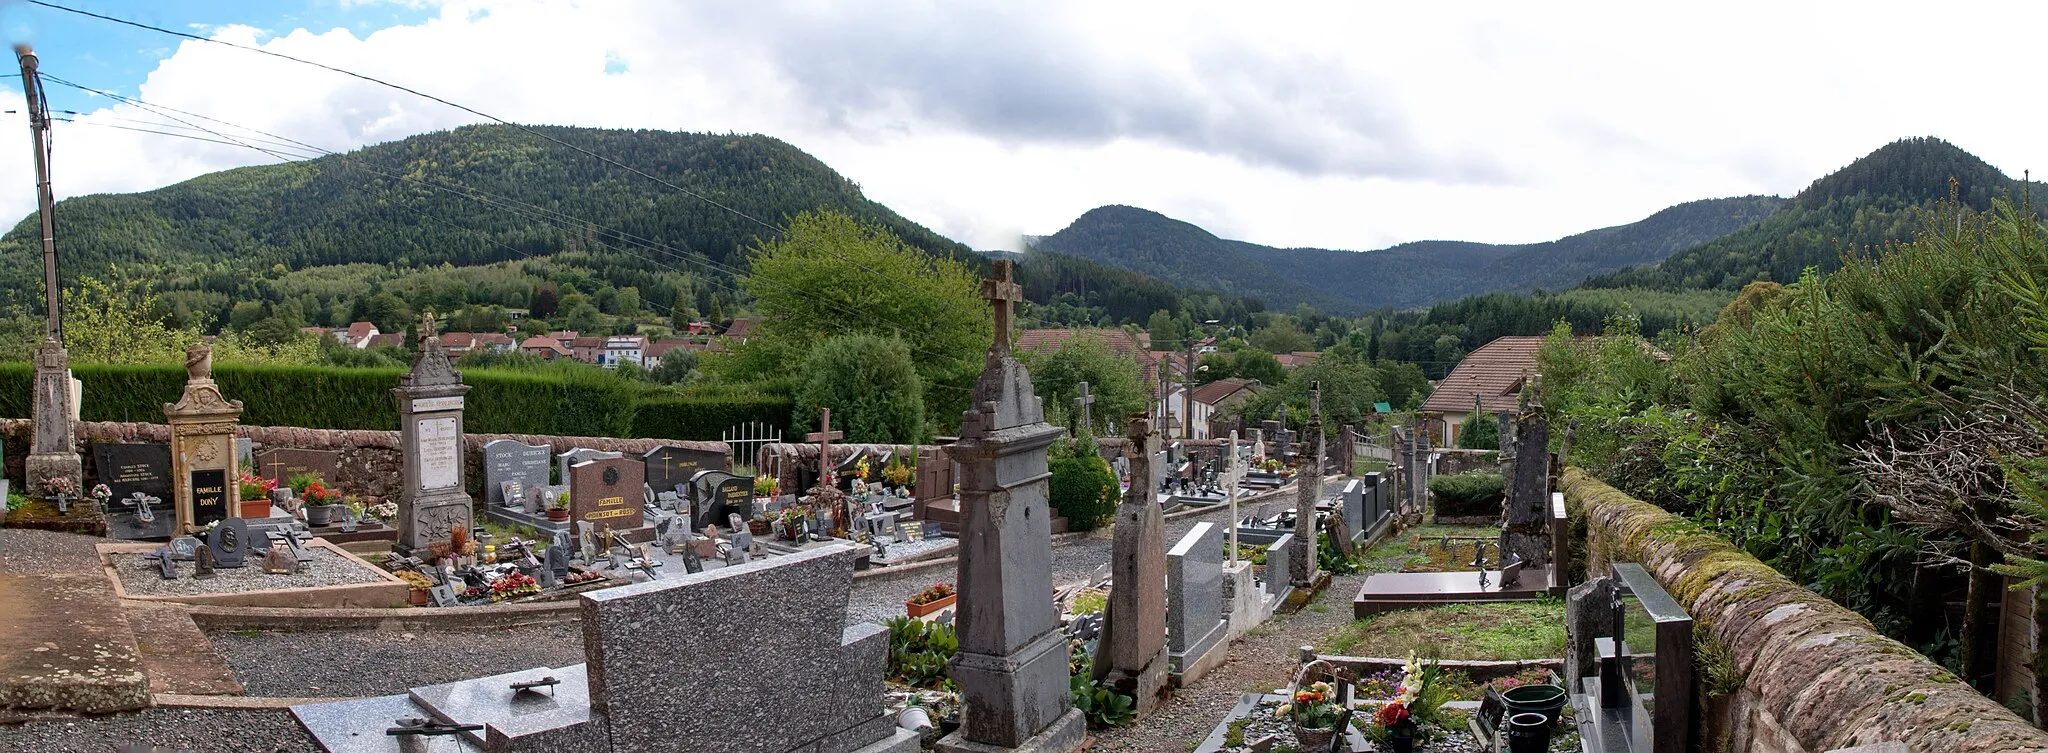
x: 1877, y: 200
x: 471, y: 196
x: 1407, y: 275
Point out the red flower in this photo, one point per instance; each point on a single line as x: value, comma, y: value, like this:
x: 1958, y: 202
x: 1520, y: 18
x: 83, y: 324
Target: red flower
x: 1393, y: 714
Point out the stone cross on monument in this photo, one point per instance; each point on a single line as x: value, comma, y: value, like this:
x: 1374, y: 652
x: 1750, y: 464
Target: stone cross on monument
x: 1086, y: 401
x: 1012, y: 663
x: 1004, y: 292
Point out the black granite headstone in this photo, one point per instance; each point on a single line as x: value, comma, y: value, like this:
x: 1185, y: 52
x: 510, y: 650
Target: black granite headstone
x: 668, y: 466
x: 210, y: 499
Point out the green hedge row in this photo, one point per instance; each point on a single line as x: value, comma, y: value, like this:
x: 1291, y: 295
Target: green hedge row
x: 564, y: 402
x: 1469, y: 493
x: 707, y: 416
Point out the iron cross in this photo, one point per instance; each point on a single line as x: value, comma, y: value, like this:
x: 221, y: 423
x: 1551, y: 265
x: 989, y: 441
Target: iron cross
x: 824, y: 436
x: 1086, y: 400
x: 1003, y: 291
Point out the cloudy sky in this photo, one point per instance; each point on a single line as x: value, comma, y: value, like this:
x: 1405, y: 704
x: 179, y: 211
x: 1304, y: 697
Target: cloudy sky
x: 1334, y: 124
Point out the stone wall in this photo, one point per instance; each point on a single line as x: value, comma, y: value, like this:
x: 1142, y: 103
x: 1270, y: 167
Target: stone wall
x: 370, y: 463
x: 1814, y: 675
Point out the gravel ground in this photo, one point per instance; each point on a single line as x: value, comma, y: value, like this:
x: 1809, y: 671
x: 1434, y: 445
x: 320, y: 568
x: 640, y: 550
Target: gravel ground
x: 201, y: 730
x: 141, y: 577
x: 375, y: 662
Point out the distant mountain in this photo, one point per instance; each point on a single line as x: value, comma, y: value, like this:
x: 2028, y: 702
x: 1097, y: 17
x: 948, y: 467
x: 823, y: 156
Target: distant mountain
x: 411, y: 204
x: 1879, y: 199
x: 1407, y: 275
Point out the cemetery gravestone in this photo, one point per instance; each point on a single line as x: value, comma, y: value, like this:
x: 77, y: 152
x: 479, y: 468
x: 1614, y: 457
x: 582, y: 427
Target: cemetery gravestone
x: 1194, y: 612
x: 280, y: 464
x: 567, y: 459
x: 229, y: 541
x: 668, y: 465
x: 1132, y: 654
x: 128, y: 470
x: 203, y: 459
x: 827, y: 678
x: 607, y: 492
x: 1011, y: 666
x: 508, y: 461
x: 432, y: 504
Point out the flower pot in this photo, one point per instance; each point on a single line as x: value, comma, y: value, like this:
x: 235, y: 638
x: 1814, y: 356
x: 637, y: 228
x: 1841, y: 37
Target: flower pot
x: 1545, y: 699
x: 318, y: 515
x: 558, y: 515
x: 1528, y: 733
x: 759, y: 527
x: 920, y: 610
x: 1313, y: 739
x: 1401, y: 739
x: 255, y: 508
x: 416, y: 597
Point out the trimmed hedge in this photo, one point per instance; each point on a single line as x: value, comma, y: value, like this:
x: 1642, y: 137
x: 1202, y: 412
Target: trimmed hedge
x: 1468, y: 493
x: 559, y: 402
x: 706, y: 417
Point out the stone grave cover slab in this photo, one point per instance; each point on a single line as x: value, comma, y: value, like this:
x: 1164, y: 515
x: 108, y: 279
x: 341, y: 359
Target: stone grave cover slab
x: 358, y: 726
x: 508, y: 460
x: 559, y: 713
x: 826, y: 677
x: 607, y: 492
x: 280, y: 464
x: 1194, y: 583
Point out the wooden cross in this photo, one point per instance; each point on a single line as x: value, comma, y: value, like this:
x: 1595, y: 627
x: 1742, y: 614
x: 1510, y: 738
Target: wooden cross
x: 1084, y: 401
x: 824, y: 436
x: 1003, y: 291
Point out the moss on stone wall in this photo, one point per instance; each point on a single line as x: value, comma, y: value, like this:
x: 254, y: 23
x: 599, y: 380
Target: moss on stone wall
x: 1807, y: 665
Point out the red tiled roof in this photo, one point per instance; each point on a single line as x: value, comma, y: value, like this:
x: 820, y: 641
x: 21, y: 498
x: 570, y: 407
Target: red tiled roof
x: 544, y: 343
x: 457, y: 340
x: 741, y: 327
x: 1220, y: 390
x: 562, y: 335
x: 1494, y: 373
x: 393, y: 339
x: 1297, y: 359
x: 587, y: 342
x: 493, y: 338
x: 360, y: 330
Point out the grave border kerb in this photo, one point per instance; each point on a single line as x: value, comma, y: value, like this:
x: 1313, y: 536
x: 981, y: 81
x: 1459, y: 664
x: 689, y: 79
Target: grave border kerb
x: 386, y: 581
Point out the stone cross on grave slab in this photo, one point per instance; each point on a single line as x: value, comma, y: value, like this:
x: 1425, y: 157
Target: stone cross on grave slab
x: 1085, y: 401
x: 63, y: 501
x: 824, y: 436
x: 1003, y: 291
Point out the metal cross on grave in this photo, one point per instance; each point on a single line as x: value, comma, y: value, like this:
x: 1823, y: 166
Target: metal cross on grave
x: 1086, y: 400
x: 1003, y: 291
x: 63, y: 501
x: 824, y: 436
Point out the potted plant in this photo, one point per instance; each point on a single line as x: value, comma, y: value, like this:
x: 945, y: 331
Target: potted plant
x: 320, y: 501
x: 761, y: 525
x: 1399, y: 722
x: 1312, y: 713
x: 937, y: 597
x: 254, y: 496
x: 897, y: 475
x: 514, y: 585
x: 794, y: 524
x: 102, y: 494
x: 558, y: 508
x: 419, y: 584
x: 765, y: 487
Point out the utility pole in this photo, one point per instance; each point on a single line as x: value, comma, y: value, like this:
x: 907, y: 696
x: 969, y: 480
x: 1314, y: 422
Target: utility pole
x: 53, y: 449
x: 1187, y: 392
x: 39, y: 132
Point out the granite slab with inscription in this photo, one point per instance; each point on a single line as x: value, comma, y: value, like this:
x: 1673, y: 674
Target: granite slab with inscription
x: 509, y: 460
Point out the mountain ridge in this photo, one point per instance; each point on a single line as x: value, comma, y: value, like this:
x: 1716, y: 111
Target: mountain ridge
x: 1412, y: 274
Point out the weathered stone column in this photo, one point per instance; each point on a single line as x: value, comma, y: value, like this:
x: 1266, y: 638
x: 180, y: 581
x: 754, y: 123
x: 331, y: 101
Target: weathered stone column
x: 1308, y: 481
x: 204, y: 465
x: 53, y: 449
x: 433, y: 504
x: 1012, y: 662
x: 1527, y: 532
x: 1132, y: 653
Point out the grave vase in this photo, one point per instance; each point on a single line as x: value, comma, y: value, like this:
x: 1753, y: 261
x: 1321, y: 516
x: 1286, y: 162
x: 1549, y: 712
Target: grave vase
x: 254, y: 508
x: 317, y: 515
x: 416, y: 597
x: 558, y: 514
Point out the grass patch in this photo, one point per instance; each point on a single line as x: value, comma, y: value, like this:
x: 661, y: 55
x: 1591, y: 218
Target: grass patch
x: 1363, y: 466
x: 1398, y: 552
x: 1521, y: 630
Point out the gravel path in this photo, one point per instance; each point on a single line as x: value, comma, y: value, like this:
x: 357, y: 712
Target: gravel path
x: 375, y: 662
x: 201, y: 730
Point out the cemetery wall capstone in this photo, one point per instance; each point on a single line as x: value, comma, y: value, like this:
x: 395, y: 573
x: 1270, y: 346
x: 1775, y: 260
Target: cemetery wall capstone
x: 370, y: 463
x: 1459, y: 461
x: 1815, y: 675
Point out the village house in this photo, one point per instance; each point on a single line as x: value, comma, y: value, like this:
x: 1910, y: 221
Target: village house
x: 357, y: 335
x: 545, y: 348
x: 620, y: 349
x: 1492, y: 375
x: 585, y: 349
x: 1212, y: 403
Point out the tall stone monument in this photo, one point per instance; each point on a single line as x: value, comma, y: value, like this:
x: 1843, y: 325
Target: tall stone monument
x: 1012, y: 662
x: 432, y: 506
x: 204, y: 463
x: 1527, y: 532
x: 53, y: 450
x: 1308, y: 482
x: 1132, y: 653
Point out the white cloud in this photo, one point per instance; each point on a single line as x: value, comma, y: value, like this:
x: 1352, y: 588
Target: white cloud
x: 1339, y: 125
